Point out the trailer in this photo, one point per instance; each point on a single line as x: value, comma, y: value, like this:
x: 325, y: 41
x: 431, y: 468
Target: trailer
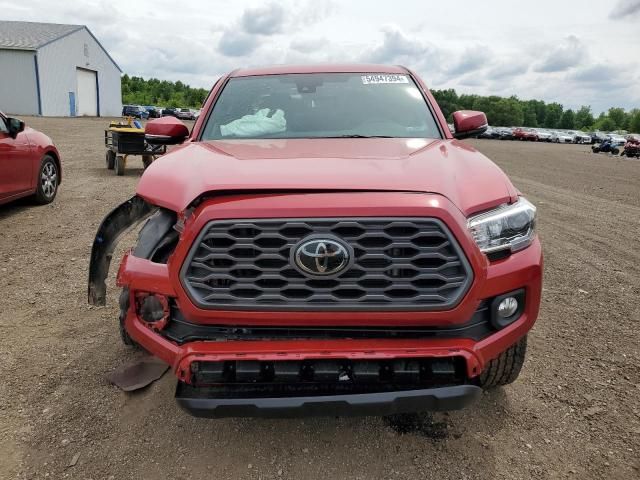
x: 126, y: 139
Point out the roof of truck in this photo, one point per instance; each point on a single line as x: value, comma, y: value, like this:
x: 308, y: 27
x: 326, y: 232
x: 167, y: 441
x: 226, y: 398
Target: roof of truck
x: 320, y: 68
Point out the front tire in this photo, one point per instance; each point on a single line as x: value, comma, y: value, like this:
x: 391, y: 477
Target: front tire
x: 110, y: 159
x: 119, y: 165
x: 48, y: 180
x: 506, y: 368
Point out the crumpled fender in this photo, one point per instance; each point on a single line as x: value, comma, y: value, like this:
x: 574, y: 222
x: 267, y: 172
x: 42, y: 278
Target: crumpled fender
x: 121, y: 219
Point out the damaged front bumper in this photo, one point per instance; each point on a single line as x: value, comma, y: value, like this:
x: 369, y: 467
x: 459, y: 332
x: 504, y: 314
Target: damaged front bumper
x: 229, y: 363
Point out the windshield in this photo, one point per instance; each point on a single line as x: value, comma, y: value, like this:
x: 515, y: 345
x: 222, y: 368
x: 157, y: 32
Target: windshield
x: 320, y: 105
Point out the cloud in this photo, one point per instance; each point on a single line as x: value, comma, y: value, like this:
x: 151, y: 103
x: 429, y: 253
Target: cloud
x: 314, y: 11
x: 308, y: 45
x: 507, y: 69
x: 242, y: 36
x: 235, y: 43
x: 625, y: 9
x: 471, y: 59
x: 594, y: 74
x: 471, y: 80
x: 570, y: 53
x: 397, y: 47
x: 264, y: 20
x: 604, y: 77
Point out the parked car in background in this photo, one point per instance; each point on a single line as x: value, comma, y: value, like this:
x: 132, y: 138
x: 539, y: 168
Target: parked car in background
x: 152, y: 111
x: 185, y: 114
x: 543, y: 135
x: 617, y: 140
x: 495, y: 133
x: 522, y: 133
x: 135, y: 111
x: 558, y: 136
x: 584, y: 137
x: 364, y: 264
x: 30, y: 164
x: 170, y: 112
x: 505, y: 133
x: 579, y: 137
x: 597, y: 137
x: 488, y: 133
x: 196, y: 113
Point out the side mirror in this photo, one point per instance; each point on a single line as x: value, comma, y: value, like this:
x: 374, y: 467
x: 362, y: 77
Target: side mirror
x: 15, y: 126
x: 165, y: 131
x: 468, y: 123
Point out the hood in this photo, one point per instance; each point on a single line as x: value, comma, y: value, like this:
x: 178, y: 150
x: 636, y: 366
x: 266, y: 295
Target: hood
x: 446, y: 167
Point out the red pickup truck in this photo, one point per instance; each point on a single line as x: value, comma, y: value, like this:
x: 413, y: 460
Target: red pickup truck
x: 321, y: 244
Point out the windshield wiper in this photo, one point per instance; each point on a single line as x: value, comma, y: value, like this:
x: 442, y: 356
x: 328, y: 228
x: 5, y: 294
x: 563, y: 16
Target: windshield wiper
x: 355, y: 135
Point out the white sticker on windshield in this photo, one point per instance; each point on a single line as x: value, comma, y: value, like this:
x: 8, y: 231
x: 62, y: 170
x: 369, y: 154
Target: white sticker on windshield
x: 384, y: 78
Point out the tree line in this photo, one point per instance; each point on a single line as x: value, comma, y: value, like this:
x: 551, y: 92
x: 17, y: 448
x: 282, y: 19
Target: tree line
x: 513, y: 112
x: 500, y: 111
x: 138, y: 91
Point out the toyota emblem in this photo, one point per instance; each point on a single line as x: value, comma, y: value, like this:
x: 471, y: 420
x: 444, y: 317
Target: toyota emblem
x: 322, y: 256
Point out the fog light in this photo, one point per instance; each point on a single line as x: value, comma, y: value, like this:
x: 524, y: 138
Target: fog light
x: 507, y: 307
x: 152, y: 309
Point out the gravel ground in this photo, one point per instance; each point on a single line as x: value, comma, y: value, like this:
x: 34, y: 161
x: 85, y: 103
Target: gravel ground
x: 574, y: 412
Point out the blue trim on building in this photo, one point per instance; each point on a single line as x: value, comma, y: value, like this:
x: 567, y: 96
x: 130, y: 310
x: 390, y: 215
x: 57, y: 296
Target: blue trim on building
x: 72, y: 104
x: 35, y: 61
x: 97, y: 95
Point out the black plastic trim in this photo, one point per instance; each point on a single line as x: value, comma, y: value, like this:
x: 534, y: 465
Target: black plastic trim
x: 201, y: 403
x: 181, y: 331
x: 118, y: 221
x: 153, y: 232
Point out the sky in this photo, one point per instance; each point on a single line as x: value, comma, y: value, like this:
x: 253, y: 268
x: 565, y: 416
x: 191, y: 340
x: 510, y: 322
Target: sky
x: 572, y: 52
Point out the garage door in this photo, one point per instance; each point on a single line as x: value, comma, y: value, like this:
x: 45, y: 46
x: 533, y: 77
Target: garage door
x: 87, y: 97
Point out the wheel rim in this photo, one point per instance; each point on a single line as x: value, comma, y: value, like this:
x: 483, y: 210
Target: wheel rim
x: 49, y: 179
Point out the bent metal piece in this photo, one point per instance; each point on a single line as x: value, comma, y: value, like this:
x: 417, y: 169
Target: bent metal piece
x: 121, y: 219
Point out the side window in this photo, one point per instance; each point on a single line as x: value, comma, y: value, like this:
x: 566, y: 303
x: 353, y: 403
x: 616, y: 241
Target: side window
x: 3, y: 126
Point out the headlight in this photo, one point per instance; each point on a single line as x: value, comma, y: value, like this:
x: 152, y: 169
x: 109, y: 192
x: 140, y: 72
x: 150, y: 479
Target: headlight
x: 511, y: 227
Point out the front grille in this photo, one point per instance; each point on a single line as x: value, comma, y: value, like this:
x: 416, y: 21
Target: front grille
x: 398, y: 264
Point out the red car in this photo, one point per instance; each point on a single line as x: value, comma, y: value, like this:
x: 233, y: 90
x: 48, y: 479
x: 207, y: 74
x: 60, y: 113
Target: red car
x: 525, y: 134
x: 29, y: 163
x: 321, y: 243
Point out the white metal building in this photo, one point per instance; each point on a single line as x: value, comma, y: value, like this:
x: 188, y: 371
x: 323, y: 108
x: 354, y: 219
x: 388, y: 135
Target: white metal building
x: 56, y: 70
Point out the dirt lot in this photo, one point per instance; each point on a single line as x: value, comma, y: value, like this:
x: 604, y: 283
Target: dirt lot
x: 574, y: 413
